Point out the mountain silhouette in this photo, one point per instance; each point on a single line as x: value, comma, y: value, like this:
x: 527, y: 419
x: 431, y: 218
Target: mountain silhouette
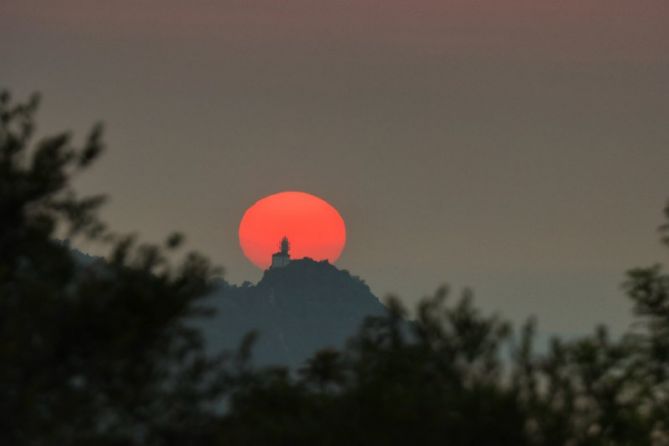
x: 295, y: 310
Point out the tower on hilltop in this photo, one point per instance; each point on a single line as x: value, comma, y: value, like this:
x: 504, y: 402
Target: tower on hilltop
x: 281, y: 258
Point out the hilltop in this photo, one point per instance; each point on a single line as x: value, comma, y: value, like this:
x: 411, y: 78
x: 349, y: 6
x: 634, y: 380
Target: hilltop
x: 296, y: 310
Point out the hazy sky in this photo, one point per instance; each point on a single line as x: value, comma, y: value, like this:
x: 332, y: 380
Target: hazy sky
x: 520, y: 147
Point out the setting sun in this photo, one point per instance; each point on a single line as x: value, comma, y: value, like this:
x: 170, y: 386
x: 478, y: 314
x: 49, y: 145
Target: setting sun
x: 313, y: 226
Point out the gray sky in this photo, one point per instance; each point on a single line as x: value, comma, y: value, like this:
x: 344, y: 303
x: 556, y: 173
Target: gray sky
x: 519, y: 147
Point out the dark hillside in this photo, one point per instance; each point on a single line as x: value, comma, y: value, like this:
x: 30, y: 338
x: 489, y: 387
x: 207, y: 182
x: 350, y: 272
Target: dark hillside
x: 295, y: 310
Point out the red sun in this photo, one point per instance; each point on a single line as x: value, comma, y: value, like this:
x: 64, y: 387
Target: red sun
x: 313, y: 227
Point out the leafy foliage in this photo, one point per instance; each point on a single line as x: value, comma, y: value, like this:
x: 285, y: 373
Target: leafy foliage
x: 97, y: 352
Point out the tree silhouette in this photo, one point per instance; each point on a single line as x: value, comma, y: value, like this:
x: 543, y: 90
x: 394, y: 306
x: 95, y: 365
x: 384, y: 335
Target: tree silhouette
x: 89, y: 354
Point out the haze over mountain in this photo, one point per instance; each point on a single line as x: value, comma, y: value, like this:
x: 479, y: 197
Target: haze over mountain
x: 295, y: 310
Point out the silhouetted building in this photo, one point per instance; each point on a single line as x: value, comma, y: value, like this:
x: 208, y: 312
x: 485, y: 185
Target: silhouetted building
x: 281, y: 258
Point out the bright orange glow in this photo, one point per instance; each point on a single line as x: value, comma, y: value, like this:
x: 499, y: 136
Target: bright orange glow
x: 313, y: 226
